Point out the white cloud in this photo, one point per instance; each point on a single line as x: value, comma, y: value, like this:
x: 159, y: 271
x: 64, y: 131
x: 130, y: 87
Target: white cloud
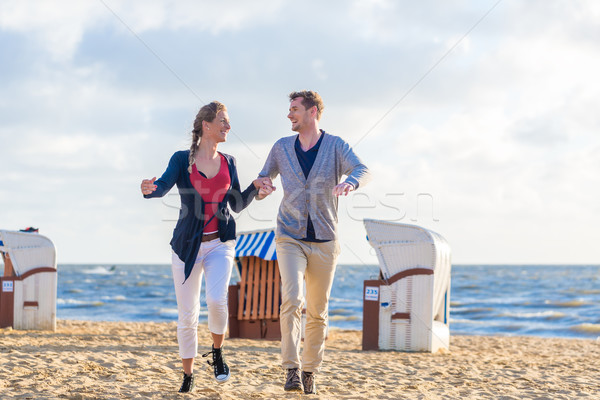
x: 60, y: 25
x: 502, y: 134
x: 318, y: 67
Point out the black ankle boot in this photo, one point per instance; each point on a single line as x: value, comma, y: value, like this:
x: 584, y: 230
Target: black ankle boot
x: 221, y: 368
x: 188, y: 383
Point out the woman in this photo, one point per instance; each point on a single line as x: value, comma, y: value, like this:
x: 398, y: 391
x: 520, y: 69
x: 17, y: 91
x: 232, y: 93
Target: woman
x: 203, y: 241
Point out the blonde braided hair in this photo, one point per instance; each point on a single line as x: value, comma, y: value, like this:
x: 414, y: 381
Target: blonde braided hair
x: 207, y: 113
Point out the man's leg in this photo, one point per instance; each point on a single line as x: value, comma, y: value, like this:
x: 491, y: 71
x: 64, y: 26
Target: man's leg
x: 319, y: 279
x: 292, y: 265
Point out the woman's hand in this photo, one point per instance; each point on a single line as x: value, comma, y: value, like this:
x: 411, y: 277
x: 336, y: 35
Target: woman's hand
x: 262, y: 182
x: 148, y: 186
x: 265, y: 187
x: 264, y: 191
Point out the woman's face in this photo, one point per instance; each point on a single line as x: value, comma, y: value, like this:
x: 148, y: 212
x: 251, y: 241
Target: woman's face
x: 217, y: 129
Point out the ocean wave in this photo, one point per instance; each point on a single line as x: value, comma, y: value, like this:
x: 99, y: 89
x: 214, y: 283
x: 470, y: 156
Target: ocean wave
x: 588, y: 291
x: 586, y: 328
x: 79, y: 303
x: 468, y: 322
x: 570, y: 303
x: 167, y: 311
x: 541, y: 314
x: 118, y: 297
x: 342, y: 300
x: 155, y: 294
x: 341, y: 311
x: 344, y: 318
x: 468, y: 286
x: 475, y: 310
x: 99, y: 270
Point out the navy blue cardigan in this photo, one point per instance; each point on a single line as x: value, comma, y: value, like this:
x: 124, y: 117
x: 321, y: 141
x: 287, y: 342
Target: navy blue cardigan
x: 187, y: 235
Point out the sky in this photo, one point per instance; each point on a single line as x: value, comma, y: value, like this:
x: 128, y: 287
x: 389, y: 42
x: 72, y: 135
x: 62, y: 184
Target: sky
x: 478, y: 120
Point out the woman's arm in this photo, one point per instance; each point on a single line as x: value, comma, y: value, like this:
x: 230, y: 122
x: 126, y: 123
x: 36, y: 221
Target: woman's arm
x: 237, y: 199
x: 158, y: 188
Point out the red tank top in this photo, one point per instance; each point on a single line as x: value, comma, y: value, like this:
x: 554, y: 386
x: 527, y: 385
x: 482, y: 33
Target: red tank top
x: 212, y: 191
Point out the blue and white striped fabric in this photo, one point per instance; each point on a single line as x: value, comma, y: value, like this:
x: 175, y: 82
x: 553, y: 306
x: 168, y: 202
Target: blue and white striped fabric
x: 256, y: 243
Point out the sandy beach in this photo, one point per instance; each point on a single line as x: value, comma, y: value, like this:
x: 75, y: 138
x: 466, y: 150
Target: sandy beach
x: 126, y: 360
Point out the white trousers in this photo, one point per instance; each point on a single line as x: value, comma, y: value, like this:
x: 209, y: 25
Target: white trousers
x: 214, y: 261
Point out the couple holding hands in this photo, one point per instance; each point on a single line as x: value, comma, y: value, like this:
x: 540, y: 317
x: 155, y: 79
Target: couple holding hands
x: 311, y: 164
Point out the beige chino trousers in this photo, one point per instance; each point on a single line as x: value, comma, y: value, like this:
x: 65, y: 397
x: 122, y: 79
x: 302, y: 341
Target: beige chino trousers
x: 314, y: 262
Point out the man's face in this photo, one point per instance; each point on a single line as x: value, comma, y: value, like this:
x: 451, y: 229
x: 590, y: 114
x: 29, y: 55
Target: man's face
x: 298, y: 115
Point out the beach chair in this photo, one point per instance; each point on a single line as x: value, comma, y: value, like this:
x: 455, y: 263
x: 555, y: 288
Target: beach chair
x: 254, y: 301
x: 28, y: 296
x: 408, y: 307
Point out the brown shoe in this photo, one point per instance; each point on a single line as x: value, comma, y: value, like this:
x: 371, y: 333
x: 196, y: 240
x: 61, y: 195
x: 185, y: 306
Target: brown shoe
x: 292, y: 380
x: 308, y: 380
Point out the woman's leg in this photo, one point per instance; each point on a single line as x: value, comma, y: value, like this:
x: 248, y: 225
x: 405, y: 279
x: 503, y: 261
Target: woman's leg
x: 188, y: 310
x: 217, y: 340
x: 218, y: 262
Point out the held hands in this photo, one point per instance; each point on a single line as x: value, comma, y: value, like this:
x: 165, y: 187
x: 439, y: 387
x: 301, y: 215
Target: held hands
x: 148, y: 186
x: 342, y: 189
x: 265, y: 187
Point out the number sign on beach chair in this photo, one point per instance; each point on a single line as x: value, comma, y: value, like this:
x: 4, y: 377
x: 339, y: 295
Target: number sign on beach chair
x: 254, y: 301
x: 408, y: 307
x: 28, y: 294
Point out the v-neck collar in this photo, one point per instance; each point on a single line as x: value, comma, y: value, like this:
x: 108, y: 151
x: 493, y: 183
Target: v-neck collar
x: 222, y: 161
x: 296, y: 163
x: 317, y: 144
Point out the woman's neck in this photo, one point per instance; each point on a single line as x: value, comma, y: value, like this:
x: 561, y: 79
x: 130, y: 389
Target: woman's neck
x: 207, y: 150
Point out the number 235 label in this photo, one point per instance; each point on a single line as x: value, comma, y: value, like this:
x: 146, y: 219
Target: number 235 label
x: 372, y: 293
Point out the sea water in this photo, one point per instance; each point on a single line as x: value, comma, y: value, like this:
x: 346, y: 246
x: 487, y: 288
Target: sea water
x: 541, y: 300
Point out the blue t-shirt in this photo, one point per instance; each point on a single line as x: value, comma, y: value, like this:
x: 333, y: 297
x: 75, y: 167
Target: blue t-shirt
x: 306, y: 160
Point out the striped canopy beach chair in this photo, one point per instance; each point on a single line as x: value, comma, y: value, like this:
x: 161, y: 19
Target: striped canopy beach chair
x: 254, y: 301
x: 28, y: 296
x: 408, y: 307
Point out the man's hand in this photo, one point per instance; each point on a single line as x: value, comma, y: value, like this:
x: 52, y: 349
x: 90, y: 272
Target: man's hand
x: 342, y: 189
x: 148, y: 186
x: 264, y: 183
x: 264, y: 192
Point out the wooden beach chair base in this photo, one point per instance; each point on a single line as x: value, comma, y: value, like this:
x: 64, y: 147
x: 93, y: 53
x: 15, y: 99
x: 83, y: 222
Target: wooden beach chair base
x: 254, y: 302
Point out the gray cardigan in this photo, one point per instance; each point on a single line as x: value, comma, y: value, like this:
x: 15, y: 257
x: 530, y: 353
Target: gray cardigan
x: 303, y: 196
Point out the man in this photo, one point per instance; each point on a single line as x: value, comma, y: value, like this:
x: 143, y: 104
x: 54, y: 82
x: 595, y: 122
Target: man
x: 311, y: 165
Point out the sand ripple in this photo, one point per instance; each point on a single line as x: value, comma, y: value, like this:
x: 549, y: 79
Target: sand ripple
x: 117, y: 360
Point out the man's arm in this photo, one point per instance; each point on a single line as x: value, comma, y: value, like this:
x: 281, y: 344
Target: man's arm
x: 356, y: 172
x: 269, y: 172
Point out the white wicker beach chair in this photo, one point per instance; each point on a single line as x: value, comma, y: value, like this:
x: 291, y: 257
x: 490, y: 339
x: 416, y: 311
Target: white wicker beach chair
x: 408, y: 307
x: 28, y: 296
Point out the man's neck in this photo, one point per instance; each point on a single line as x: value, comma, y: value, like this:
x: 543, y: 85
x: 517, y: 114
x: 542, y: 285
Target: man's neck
x: 308, y: 138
